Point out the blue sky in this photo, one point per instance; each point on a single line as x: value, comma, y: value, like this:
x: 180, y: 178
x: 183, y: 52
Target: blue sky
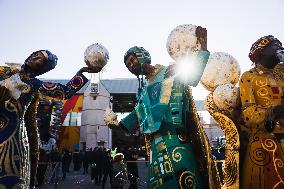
x: 67, y: 27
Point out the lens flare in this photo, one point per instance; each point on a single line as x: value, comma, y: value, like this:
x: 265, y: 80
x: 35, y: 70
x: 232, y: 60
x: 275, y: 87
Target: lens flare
x: 186, y: 69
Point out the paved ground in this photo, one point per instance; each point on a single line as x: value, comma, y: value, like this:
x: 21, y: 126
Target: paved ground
x: 79, y: 181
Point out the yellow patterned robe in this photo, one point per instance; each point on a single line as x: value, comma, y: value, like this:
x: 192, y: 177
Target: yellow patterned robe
x: 263, y: 165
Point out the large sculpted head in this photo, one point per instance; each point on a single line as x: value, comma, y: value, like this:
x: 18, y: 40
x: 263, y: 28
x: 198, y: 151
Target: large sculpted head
x: 267, y: 51
x: 39, y: 62
x: 135, y: 59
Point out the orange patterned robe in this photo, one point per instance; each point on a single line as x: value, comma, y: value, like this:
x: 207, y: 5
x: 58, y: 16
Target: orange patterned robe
x: 263, y: 161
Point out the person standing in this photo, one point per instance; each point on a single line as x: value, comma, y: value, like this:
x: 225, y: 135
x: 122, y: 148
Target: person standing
x: 69, y: 160
x: 132, y: 169
x: 119, y: 174
x: 65, y: 159
x: 85, y: 162
x: 93, y: 162
x: 42, y: 167
x: 76, y: 161
x: 99, y: 166
x: 107, y: 167
x: 80, y: 160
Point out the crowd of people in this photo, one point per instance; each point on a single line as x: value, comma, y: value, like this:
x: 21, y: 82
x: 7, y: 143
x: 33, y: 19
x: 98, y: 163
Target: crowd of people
x: 119, y: 166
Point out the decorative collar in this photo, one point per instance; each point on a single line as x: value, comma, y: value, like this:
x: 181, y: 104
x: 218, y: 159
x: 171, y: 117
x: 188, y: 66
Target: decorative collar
x: 262, y: 70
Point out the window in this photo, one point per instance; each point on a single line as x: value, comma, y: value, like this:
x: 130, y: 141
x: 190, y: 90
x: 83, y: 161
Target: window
x: 73, y: 119
x: 67, y: 120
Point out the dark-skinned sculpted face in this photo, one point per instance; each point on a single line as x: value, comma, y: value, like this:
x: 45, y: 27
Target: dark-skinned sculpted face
x: 135, y: 58
x: 133, y: 65
x: 268, y: 57
x: 267, y: 51
x: 39, y: 62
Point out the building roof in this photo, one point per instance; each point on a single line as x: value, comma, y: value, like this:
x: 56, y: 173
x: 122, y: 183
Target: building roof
x: 114, y: 86
x: 121, y: 85
x: 123, y: 89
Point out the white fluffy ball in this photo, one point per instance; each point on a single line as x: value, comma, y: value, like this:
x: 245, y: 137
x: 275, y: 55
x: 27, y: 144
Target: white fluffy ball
x: 96, y: 55
x: 182, y: 41
x: 221, y: 68
x: 226, y: 97
x: 110, y: 118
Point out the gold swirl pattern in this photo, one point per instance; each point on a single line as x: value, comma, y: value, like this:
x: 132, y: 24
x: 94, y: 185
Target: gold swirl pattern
x: 187, y: 180
x: 260, y: 157
x: 261, y: 82
x: 269, y: 145
x: 231, y: 170
x: 177, y: 155
x: 261, y: 92
x: 278, y: 163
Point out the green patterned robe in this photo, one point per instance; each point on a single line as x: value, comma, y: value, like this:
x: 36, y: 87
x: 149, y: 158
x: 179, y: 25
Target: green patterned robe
x: 179, y: 155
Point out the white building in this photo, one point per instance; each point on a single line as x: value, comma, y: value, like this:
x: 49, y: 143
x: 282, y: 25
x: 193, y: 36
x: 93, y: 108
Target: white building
x: 120, y: 95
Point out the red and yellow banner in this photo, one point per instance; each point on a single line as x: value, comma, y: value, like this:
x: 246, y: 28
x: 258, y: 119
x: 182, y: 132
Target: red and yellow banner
x: 74, y: 104
x: 68, y: 137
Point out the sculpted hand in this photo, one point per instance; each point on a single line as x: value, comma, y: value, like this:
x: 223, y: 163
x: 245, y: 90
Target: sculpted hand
x: 110, y: 118
x: 201, y: 34
x: 278, y: 112
x: 91, y: 69
x: 275, y: 113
